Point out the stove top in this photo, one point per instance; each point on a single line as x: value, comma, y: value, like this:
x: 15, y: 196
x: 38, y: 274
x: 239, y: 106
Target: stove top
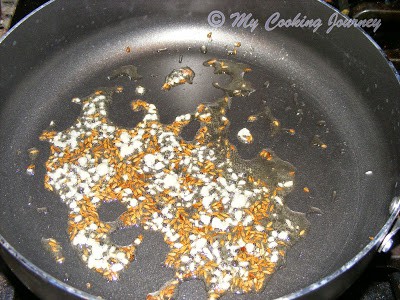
x: 382, y: 278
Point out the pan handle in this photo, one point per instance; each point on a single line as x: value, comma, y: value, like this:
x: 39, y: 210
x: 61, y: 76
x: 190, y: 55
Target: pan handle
x: 387, y: 242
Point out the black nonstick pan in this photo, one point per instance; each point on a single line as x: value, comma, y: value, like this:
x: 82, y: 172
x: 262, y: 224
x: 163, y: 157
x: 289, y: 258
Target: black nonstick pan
x: 334, y: 89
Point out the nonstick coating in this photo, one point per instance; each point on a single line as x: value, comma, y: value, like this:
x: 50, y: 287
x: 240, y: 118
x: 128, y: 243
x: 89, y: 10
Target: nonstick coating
x: 68, y: 49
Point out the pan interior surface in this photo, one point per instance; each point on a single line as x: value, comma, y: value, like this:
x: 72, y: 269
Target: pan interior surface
x: 305, y: 78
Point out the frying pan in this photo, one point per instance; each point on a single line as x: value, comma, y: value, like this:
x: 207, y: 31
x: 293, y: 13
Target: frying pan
x: 67, y: 49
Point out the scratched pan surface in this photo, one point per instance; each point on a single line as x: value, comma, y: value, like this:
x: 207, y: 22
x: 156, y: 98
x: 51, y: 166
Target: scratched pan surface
x: 68, y: 49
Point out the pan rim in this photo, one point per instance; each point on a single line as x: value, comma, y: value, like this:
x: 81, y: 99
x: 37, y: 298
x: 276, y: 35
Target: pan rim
x: 371, y: 246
